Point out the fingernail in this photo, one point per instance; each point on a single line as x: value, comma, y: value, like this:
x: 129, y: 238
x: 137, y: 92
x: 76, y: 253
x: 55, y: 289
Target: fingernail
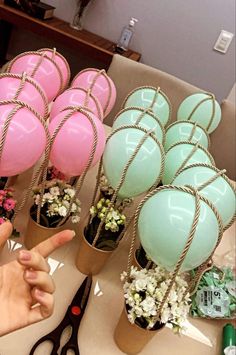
x: 30, y: 274
x: 39, y: 293
x: 73, y: 233
x: 25, y: 255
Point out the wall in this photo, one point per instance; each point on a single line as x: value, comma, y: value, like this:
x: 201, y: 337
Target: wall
x: 175, y: 36
x: 232, y: 95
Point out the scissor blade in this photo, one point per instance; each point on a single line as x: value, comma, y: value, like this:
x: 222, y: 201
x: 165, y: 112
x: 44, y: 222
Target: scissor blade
x: 87, y: 289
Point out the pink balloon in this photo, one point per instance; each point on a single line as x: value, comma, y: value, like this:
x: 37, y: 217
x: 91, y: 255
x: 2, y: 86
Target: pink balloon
x: 61, y: 62
x: 76, y: 97
x: 25, y: 140
x: 32, y: 93
x: 48, y: 75
x: 103, y: 88
x: 73, y: 144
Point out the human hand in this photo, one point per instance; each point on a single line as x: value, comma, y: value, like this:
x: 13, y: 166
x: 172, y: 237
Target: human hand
x: 26, y: 282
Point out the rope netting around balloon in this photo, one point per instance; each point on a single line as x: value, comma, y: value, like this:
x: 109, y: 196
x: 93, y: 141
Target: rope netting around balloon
x: 54, y: 54
x: 157, y: 91
x: 89, y: 94
x: 98, y: 73
x: 203, y: 267
x: 193, y: 130
x: 143, y: 112
x: 25, y: 78
x: 37, y: 65
x: 18, y: 106
x: 212, y: 99
x: 219, y: 173
x: 189, y: 156
x: 123, y: 176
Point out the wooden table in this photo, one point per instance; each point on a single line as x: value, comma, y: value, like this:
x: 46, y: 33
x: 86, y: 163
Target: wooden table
x: 59, y: 31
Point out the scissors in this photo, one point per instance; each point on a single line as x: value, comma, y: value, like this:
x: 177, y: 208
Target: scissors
x: 72, y: 318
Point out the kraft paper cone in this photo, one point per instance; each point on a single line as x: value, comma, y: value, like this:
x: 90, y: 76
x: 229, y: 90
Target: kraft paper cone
x: 90, y: 260
x: 35, y: 233
x: 130, y: 338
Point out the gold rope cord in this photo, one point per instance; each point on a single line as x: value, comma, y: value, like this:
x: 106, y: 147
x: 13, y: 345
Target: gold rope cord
x: 98, y: 73
x: 193, y: 130
x: 193, y: 123
x: 212, y: 98
x: 195, y: 147
x: 152, y: 88
x: 41, y: 56
x: 32, y: 82
x: 143, y: 112
x: 185, y: 161
x: 54, y: 53
x: 213, y: 178
x: 123, y: 175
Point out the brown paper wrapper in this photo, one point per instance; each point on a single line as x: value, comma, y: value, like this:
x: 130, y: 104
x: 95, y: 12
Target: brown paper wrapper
x: 90, y: 260
x: 35, y: 233
x: 130, y: 338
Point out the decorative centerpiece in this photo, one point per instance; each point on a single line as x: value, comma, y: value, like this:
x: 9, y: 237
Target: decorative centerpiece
x: 56, y: 202
x: 144, y: 313
x: 98, y: 242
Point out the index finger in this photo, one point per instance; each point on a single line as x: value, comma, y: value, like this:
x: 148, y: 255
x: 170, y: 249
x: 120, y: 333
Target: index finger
x: 5, y: 231
x: 49, y: 245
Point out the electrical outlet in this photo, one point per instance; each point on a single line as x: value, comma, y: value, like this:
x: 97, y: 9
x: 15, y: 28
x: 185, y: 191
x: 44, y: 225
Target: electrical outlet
x: 223, y: 41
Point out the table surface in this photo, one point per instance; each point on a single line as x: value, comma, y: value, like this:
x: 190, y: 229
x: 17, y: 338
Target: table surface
x: 95, y: 337
x: 59, y: 30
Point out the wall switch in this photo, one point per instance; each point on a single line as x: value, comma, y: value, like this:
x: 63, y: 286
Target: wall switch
x: 223, y: 41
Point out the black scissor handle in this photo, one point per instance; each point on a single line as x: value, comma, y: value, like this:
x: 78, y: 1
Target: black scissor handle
x: 46, y: 338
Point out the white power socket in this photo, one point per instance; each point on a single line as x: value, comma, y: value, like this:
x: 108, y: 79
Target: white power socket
x: 223, y: 41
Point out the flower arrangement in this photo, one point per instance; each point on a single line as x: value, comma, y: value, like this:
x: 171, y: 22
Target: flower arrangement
x: 114, y: 218
x: 7, y: 205
x: 144, y: 292
x: 113, y: 224
x: 55, y: 203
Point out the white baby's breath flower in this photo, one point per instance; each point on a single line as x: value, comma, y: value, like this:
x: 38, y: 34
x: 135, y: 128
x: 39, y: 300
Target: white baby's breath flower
x: 70, y: 192
x: 131, y: 317
x: 66, y: 204
x: 62, y: 211
x: 48, y: 197
x: 148, y: 305
x: 140, y: 284
x: 75, y: 219
x: 54, y: 191
x: 165, y: 315
x: 151, y: 288
x: 138, y: 310
x: 73, y: 207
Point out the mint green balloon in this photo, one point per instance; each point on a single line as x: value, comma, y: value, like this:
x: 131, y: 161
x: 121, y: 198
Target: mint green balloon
x: 164, y: 225
x: 220, y: 192
x: 144, y: 171
x: 183, y: 131
x: 143, y: 97
x: 176, y: 155
x: 131, y: 116
x: 202, y: 114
